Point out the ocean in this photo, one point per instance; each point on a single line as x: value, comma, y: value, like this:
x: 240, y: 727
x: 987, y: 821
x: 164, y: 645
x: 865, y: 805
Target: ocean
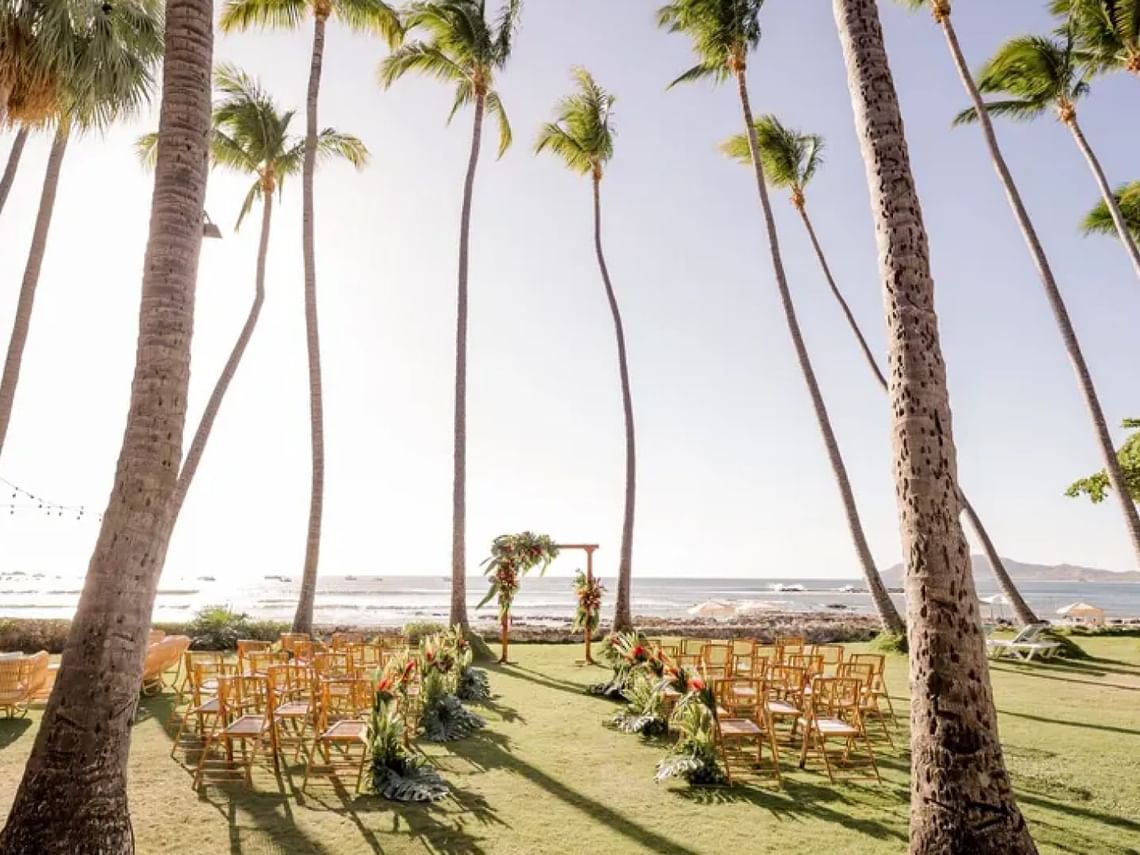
x: 369, y: 600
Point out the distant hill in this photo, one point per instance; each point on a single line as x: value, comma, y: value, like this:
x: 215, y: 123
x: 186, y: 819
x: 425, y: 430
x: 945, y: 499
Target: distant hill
x: 1022, y: 572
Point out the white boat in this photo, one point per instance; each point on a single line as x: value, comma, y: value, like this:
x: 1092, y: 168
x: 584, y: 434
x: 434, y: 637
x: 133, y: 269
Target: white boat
x: 779, y: 588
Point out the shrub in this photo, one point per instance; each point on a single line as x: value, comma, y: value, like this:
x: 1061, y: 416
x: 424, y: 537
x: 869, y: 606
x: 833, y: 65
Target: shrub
x: 220, y: 627
x: 419, y: 630
x: 28, y: 636
x: 889, y: 642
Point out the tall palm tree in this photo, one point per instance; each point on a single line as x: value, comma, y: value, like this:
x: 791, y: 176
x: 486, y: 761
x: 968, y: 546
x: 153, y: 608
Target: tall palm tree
x: 723, y: 33
x: 961, y: 798
x: 87, y: 722
x: 115, y: 49
x: 368, y: 15
x: 940, y: 9
x: 1107, y: 32
x: 791, y: 160
x: 1040, y: 73
x: 582, y: 135
x: 251, y: 136
x: 466, y: 50
x: 1099, y: 219
x: 12, y: 164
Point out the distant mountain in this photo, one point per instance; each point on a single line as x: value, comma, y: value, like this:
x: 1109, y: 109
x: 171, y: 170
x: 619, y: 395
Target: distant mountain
x: 1022, y: 572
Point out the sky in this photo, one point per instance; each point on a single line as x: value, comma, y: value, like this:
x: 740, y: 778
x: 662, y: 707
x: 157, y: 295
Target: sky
x: 733, y: 479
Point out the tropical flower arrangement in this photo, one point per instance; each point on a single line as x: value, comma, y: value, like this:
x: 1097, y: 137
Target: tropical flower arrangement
x: 512, y: 557
x: 622, y: 651
x: 693, y: 756
x: 589, y: 614
x: 471, y: 683
x: 396, y: 773
x: 444, y: 718
x: 645, y: 709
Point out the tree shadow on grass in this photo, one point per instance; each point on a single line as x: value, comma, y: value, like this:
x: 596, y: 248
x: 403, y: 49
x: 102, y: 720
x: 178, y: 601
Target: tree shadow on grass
x: 798, y: 801
x: 1127, y: 731
x: 540, y: 679
x: 1121, y: 822
x: 11, y: 729
x: 1033, y: 672
x: 491, y: 756
x: 508, y: 715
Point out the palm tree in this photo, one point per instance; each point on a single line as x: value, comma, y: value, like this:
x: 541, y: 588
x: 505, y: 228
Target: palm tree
x: 723, y: 32
x: 1039, y: 73
x: 940, y: 9
x: 1107, y: 32
x: 115, y: 50
x: 791, y: 160
x: 87, y: 723
x: 12, y: 164
x: 961, y: 798
x: 1099, y: 219
x: 582, y: 135
x: 251, y: 136
x: 369, y: 15
x: 465, y: 49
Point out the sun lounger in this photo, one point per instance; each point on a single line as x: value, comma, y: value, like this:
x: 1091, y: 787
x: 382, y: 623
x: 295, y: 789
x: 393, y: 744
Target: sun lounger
x: 160, y: 657
x: 1024, y: 646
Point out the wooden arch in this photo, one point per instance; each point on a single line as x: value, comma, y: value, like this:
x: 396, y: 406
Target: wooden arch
x: 589, y: 549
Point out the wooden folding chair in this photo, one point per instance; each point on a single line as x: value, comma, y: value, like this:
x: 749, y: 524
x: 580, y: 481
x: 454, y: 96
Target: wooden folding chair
x: 245, y: 714
x: 835, y: 713
x: 184, y: 676
x: 342, y: 640
x: 716, y: 659
x: 864, y: 672
x: 204, y: 671
x: 295, y: 716
x: 787, y: 645
x: 259, y: 662
x: 246, y: 646
x: 831, y: 655
x: 811, y: 663
x: 744, y: 726
x: 785, y: 691
x: 342, y: 738
x: 879, y: 686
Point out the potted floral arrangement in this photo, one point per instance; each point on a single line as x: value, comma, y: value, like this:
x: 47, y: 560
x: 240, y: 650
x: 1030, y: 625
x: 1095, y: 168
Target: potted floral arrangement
x: 693, y: 756
x: 444, y: 718
x: 396, y: 773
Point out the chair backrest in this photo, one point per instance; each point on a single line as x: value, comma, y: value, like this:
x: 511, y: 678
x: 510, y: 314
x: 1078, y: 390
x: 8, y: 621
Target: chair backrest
x: 811, y: 663
x: 743, y: 646
x: 13, y: 678
x: 788, y: 645
x: 878, y: 661
x: 832, y: 654
x: 246, y: 646
x: 788, y: 680
x: 332, y: 664
x: 692, y: 646
x: 202, y: 669
x: 290, y: 681
x: 365, y: 657
x: 259, y: 661
x: 740, y: 697
x: 394, y: 642
x: 154, y: 636
x: 716, y: 657
x: 837, y: 697
x: 1028, y: 634
x: 289, y: 640
x: 342, y: 640
x: 864, y: 672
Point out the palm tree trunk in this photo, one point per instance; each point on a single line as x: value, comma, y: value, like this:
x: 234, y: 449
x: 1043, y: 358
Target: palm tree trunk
x: 1052, y: 292
x: 23, y: 319
x: 961, y: 799
x: 1020, y: 608
x: 888, y: 614
x: 73, y: 795
x: 459, y: 482
x: 13, y: 162
x: 303, y: 618
x: 202, y: 434
x: 1106, y: 192
x: 623, y: 619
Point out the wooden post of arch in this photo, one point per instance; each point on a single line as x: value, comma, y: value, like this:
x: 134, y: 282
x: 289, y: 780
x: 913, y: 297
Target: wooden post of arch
x: 589, y: 549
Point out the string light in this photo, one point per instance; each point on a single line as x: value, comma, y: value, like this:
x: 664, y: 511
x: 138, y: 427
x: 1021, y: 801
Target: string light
x: 26, y: 501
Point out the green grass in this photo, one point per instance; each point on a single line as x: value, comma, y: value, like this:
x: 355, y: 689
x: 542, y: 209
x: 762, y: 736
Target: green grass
x: 547, y: 776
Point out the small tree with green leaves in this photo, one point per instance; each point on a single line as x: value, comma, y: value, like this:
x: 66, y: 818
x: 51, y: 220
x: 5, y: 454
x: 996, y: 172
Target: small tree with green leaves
x: 1097, y: 485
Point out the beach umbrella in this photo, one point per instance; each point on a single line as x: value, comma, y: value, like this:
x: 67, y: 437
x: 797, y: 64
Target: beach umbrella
x: 1083, y: 612
x: 713, y: 608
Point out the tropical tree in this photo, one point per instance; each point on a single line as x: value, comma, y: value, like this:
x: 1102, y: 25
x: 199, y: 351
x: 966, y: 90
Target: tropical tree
x: 368, y: 15
x: 1099, y: 219
x: 1107, y: 32
x: 940, y: 9
x: 1096, y: 486
x: 12, y: 164
x: 251, y: 136
x: 73, y: 796
x: 1040, y: 73
x: 466, y: 50
x: 723, y: 33
x: 582, y: 135
x: 791, y: 160
x: 961, y: 798
x: 115, y: 49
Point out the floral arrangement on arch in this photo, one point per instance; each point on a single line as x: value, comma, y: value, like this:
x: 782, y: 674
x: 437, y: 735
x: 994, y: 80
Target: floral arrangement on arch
x: 589, y: 592
x: 512, y: 557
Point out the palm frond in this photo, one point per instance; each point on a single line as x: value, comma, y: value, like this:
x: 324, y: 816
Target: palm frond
x: 495, y: 107
x: 1099, y: 219
x: 583, y: 132
x: 464, y: 95
x: 252, y: 196
x: 721, y: 32
x: 790, y: 157
x: 240, y: 15
x: 1012, y: 109
x: 146, y: 147
x: 421, y: 58
x: 331, y: 145
x: 718, y: 71
x: 374, y: 16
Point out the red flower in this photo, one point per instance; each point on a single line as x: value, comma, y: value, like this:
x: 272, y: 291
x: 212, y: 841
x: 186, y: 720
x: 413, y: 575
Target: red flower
x: 697, y: 684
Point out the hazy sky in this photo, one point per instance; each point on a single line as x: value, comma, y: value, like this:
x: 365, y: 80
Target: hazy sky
x: 733, y: 479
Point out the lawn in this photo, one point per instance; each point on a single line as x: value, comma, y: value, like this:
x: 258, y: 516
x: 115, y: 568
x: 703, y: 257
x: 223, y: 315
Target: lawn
x: 547, y: 776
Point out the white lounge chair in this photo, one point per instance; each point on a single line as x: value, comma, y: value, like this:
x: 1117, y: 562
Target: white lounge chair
x: 1024, y: 646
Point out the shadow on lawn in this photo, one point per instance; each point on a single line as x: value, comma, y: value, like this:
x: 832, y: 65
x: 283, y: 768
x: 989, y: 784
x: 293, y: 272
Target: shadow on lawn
x: 494, y: 752
x: 1083, y: 724
x: 12, y: 729
x: 798, y: 800
x: 1043, y: 803
x: 540, y: 679
x: 1026, y: 671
